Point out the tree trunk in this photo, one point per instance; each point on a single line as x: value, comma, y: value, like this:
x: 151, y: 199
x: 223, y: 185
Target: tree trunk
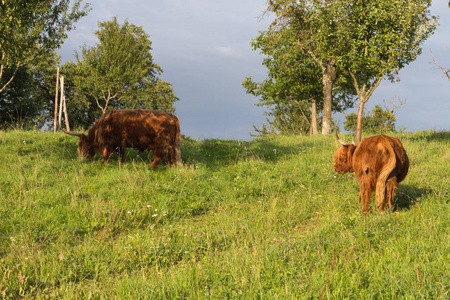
x: 359, y: 120
x: 329, y: 77
x: 314, y: 128
x: 364, y: 94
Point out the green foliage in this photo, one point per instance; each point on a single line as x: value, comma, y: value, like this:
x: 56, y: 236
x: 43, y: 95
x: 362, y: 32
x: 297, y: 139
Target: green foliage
x: 118, y: 72
x: 81, y: 109
x: 307, y: 29
x: 384, y: 36
x: 290, y: 84
x: 29, y: 99
x: 362, y: 41
x: 294, y: 82
x: 264, y: 131
x: 378, y: 121
x: 15, y: 106
x: 261, y: 219
x: 381, y: 38
x: 30, y: 30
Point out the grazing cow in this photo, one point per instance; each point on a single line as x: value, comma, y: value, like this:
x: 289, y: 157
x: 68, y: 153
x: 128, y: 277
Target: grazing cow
x: 379, y: 162
x: 140, y: 129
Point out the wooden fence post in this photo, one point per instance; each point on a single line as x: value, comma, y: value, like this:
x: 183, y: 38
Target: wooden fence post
x: 56, y: 100
x: 66, y: 117
x: 61, y: 100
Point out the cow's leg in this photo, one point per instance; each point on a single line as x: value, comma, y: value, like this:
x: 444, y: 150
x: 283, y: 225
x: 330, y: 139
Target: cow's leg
x: 106, y: 153
x: 156, y: 158
x: 365, y: 193
x: 391, y: 187
x: 122, y: 151
x: 170, y: 156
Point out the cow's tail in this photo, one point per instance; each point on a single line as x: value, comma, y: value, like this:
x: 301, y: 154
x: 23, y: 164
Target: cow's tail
x: 177, y: 145
x: 380, y: 193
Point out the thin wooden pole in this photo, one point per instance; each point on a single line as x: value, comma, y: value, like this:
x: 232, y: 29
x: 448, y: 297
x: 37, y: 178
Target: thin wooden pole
x: 66, y: 117
x: 61, y: 100
x: 56, y: 100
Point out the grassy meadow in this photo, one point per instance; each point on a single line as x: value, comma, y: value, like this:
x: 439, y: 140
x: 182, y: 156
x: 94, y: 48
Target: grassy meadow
x: 264, y: 219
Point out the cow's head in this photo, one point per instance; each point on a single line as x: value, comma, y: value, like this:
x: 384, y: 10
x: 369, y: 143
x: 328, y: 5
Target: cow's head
x: 85, y: 146
x: 343, y: 157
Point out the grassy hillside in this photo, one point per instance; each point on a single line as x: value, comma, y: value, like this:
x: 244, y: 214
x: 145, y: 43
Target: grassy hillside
x: 244, y: 220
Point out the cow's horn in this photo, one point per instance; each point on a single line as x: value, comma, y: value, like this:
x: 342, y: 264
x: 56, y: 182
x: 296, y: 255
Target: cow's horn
x: 340, y: 141
x: 353, y: 140
x: 72, y: 133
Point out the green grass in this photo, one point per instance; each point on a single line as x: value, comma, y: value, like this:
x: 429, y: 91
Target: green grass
x: 263, y: 219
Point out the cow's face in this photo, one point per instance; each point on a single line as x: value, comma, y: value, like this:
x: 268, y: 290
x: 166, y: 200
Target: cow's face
x: 343, y: 159
x: 85, y: 147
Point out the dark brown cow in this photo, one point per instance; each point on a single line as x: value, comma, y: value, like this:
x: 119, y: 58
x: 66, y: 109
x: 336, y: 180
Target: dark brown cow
x: 379, y: 162
x: 140, y: 129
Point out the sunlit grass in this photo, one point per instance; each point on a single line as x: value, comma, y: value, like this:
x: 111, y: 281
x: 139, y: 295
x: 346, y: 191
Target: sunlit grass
x: 262, y: 219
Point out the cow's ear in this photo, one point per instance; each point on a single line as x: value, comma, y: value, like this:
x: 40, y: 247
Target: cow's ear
x: 351, y: 150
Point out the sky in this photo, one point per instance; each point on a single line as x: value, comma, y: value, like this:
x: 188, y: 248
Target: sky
x: 203, y: 47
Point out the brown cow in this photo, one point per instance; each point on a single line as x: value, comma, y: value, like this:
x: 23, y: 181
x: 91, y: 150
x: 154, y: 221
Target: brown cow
x: 140, y: 129
x: 379, y: 162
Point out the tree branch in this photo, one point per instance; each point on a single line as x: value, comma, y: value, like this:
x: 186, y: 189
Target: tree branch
x: 446, y: 72
x: 394, y: 106
x: 11, y: 79
x: 374, y: 86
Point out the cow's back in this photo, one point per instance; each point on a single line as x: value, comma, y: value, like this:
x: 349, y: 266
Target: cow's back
x: 138, y: 128
x: 402, y: 165
x: 375, y: 152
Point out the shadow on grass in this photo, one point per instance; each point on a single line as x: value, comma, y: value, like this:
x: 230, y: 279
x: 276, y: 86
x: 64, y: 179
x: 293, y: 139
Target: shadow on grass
x: 213, y: 153
x: 67, y: 149
x: 438, y: 136
x: 407, y: 196
x: 219, y: 153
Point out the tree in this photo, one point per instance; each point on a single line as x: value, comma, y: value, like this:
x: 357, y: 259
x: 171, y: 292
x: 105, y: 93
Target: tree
x: 82, y: 109
x: 119, y: 71
x: 15, y: 107
x: 293, y: 86
x: 29, y: 98
x: 294, y: 89
x: 317, y: 25
x: 30, y: 30
x: 381, y: 38
x: 369, y: 39
x: 377, y: 121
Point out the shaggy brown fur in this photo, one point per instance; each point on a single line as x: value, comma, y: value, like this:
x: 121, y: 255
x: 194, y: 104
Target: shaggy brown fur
x: 140, y: 129
x: 379, y: 163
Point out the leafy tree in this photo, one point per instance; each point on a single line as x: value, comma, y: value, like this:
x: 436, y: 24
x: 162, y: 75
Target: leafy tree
x: 317, y: 25
x: 119, y: 71
x: 81, y: 109
x: 265, y: 130
x: 381, y: 38
x: 29, y: 98
x: 294, y: 89
x: 15, y: 106
x: 369, y: 39
x: 378, y: 121
x: 30, y: 30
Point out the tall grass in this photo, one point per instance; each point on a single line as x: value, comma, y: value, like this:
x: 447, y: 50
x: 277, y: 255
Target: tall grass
x: 244, y: 220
